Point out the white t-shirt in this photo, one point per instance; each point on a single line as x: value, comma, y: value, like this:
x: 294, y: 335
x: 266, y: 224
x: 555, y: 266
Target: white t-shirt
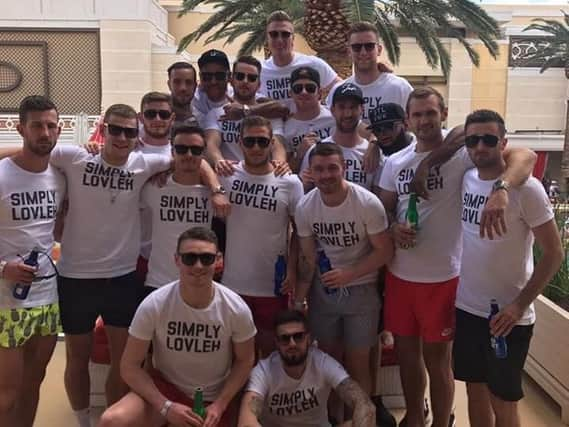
x: 354, y: 157
x: 101, y: 236
x: 499, y: 268
x: 29, y: 203
x: 294, y: 129
x: 342, y: 231
x: 436, y: 254
x: 193, y: 347
x: 173, y: 209
x: 257, y: 229
x: 275, y: 80
x: 386, y: 88
x: 202, y: 105
x: 296, y: 403
x: 230, y: 131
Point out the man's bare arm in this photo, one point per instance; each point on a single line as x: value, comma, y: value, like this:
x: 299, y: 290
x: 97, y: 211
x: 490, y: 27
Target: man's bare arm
x: 306, y: 267
x: 353, y: 396
x: 251, y: 410
x: 9, y: 152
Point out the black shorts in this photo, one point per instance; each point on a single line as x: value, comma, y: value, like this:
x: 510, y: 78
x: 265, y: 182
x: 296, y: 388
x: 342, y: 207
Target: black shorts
x: 81, y: 301
x: 475, y: 361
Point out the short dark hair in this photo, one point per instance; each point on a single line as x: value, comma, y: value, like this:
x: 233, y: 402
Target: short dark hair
x: 120, y: 110
x: 203, y: 234
x: 155, y: 97
x: 181, y: 65
x: 326, y: 149
x: 279, y: 16
x: 423, y: 93
x: 290, y: 316
x: 486, y: 116
x: 250, y: 60
x: 185, y: 128
x: 34, y: 103
x: 362, y: 27
x: 254, y: 121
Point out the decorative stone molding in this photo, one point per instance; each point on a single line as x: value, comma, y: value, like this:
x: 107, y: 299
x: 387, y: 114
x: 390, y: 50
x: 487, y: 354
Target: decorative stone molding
x: 522, y: 50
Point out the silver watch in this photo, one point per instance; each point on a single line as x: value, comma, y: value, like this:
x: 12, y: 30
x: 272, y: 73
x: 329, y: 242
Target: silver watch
x: 218, y: 190
x: 165, y: 408
x: 2, y: 267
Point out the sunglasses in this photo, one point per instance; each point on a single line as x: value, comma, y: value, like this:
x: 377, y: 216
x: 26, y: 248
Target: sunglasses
x: 261, y: 141
x: 384, y: 127
x: 183, y: 149
x: 218, y: 75
x: 308, y: 87
x: 251, y: 78
x: 116, y: 130
x: 285, y: 35
x: 296, y: 337
x: 151, y: 114
x: 488, y: 140
x: 190, y: 258
x: 357, y: 47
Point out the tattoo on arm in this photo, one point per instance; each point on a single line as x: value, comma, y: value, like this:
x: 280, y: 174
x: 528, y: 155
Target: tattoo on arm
x: 353, y: 395
x: 256, y: 406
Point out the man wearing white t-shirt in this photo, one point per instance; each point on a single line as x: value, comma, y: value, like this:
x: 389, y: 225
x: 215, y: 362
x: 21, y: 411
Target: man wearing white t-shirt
x: 182, y: 82
x: 426, y: 266
x: 350, y: 225
x: 180, y: 204
x: 311, y: 121
x: 347, y: 107
x: 31, y: 192
x: 275, y: 78
x: 258, y: 229
x: 290, y: 388
x: 222, y: 133
x: 202, y: 336
x: 503, y: 270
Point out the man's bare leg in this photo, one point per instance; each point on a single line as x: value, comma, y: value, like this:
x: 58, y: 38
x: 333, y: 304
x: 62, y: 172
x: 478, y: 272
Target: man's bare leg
x: 76, y: 377
x: 506, y: 413
x: 413, y: 378
x: 437, y: 358
x: 115, y: 387
x: 11, y: 379
x: 131, y: 411
x: 480, y: 412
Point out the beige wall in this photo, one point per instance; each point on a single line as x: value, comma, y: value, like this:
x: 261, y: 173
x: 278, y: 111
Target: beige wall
x: 489, y: 81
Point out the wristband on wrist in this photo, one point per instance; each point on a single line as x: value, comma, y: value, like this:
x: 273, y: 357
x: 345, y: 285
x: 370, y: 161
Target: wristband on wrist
x: 299, y: 305
x: 165, y: 408
x: 2, y: 267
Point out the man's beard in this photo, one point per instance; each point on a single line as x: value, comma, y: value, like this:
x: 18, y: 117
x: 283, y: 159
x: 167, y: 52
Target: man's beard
x: 295, y: 360
x: 401, y: 141
x: 156, y: 133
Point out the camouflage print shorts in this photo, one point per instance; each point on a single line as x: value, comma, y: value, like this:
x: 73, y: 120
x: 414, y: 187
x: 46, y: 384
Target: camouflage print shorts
x: 18, y: 325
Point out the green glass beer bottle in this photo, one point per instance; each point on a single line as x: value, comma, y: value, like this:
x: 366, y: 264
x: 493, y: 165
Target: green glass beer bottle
x: 198, y: 408
x: 412, y: 214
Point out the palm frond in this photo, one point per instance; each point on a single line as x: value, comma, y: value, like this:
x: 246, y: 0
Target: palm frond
x: 254, y: 41
x: 388, y: 34
x: 358, y: 10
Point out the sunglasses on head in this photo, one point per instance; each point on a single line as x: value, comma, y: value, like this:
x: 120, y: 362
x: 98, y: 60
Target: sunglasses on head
x: 296, y: 337
x: 218, y: 75
x: 190, y: 258
x: 251, y: 78
x: 261, y: 141
x: 283, y: 34
x: 116, y: 130
x: 357, y: 47
x: 308, y: 87
x: 151, y: 114
x: 183, y: 149
x: 488, y: 140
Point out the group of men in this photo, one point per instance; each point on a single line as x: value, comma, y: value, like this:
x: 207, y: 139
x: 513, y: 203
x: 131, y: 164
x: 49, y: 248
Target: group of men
x: 304, y: 253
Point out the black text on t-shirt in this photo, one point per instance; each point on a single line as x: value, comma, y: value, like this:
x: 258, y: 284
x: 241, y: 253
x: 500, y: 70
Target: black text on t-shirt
x: 293, y: 403
x: 193, y: 337
x: 33, y: 205
x: 434, y: 180
x: 471, y: 205
x: 342, y: 234
x: 355, y: 172
x: 184, y: 209
x: 322, y: 134
x: 370, y: 103
x: 97, y: 175
x: 278, y: 88
x: 258, y: 196
x: 230, y: 131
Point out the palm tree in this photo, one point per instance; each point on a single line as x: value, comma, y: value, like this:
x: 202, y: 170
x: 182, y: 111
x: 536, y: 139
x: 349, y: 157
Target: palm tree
x: 324, y: 25
x: 554, y: 52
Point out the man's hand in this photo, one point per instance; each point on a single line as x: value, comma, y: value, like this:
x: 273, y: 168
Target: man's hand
x: 225, y: 167
x: 403, y: 235
x: 18, y: 272
x: 492, y: 219
x: 92, y: 147
x: 503, y: 322
x: 221, y: 205
x: 288, y: 286
x: 181, y: 416
x: 281, y: 168
x: 308, y: 140
x: 337, y: 278
x: 371, y: 159
x: 213, y: 414
x: 418, y: 183
x: 232, y: 111
x: 160, y: 179
x: 306, y: 177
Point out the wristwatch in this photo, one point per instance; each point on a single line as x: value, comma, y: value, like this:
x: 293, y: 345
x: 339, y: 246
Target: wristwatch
x: 2, y: 267
x: 165, y: 408
x: 246, y: 110
x: 500, y: 184
x: 218, y: 190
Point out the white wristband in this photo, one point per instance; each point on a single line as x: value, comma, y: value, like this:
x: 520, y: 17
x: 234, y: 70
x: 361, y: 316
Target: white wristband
x: 165, y: 408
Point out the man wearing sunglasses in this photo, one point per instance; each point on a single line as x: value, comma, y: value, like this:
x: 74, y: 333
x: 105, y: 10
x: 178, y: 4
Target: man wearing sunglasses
x: 275, y: 79
x: 202, y: 335
x: 31, y: 192
x: 222, y: 132
x: 157, y: 117
x: 291, y: 387
x: 181, y: 203
x: 426, y: 266
x: 311, y: 122
x: 262, y: 211
x: 347, y: 107
x: 501, y: 269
